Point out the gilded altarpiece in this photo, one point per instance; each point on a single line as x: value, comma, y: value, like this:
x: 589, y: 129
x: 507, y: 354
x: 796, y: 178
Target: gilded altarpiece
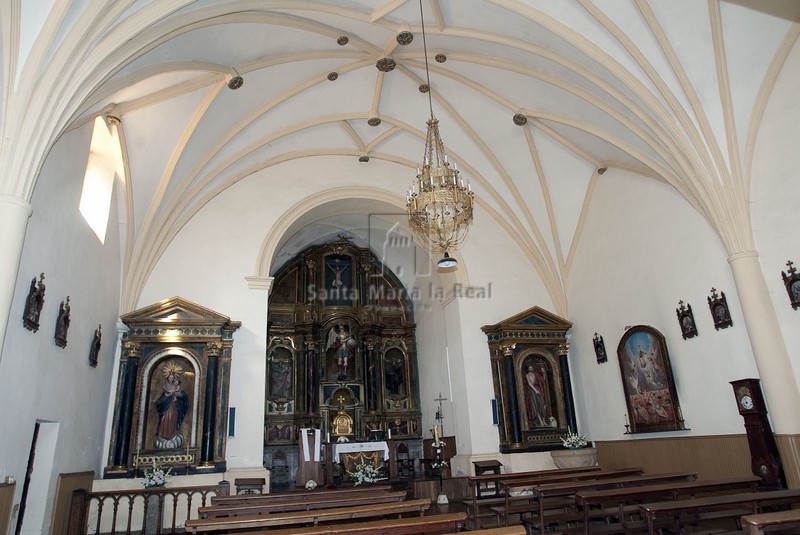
x: 531, y: 379
x: 341, y: 350
x: 172, y: 392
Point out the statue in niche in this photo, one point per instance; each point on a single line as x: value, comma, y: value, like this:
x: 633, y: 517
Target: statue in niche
x: 281, y: 379
x: 342, y: 344
x: 33, y: 304
x: 172, y: 404
x: 395, y: 375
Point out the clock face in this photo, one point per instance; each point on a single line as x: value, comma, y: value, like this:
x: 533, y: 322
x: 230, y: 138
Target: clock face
x: 746, y: 402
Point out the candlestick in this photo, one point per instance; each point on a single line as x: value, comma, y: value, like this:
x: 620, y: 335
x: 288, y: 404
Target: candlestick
x: 389, y: 433
x: 626, y: 418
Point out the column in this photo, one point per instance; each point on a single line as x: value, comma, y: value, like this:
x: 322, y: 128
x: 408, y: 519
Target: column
x: 213, y: 350
x: 131, y: 353
x: 311, y: 375
x: 511, y: 395
x: 566, y: 383
x: 772, y: 359
x: 14, y: 214
x: 766, y: 339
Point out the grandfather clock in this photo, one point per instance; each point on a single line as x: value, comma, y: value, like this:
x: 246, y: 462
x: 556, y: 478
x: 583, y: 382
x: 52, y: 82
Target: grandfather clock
x: 765, y: 459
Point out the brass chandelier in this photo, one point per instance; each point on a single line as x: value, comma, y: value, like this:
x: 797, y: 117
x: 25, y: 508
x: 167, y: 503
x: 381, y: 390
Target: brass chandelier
x: 439, y: 202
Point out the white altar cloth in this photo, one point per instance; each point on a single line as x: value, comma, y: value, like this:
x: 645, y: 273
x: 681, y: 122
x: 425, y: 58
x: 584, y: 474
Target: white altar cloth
x: 348, y: 447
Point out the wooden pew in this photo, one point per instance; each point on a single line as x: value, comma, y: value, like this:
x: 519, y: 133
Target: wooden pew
x: 622, y: 502
x: 522, y: 503
x: 294, y: 518
x: 728, y: 505
x: 306, y: 504
x: 555, y: 502
x: 477, y: 507
x: 299, y: 494
x: 448, y: 523
x: 777, y: 523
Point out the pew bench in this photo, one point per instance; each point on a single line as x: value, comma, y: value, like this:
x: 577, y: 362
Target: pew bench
x: 448, y: 523
x: 776, y: 523
x: 326, y: 502
x: 478, y: 504
x: 299, y: 518
x: 481, y: 508
x: 696, y: 510
x: 554, y: 503
x: 299, y: 494
x: 616, y: 506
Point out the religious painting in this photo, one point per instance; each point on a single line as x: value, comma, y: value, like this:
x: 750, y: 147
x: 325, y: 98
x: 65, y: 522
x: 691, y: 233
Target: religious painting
x: 599, y: 349
x: 648, y: 382
x: 718, y: 304
x: 686, y: 320
x: 170, y: 404
x: 538, y: 393
x: 791, y: 279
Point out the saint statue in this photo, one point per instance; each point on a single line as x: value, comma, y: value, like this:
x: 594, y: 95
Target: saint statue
x: 172, y: 405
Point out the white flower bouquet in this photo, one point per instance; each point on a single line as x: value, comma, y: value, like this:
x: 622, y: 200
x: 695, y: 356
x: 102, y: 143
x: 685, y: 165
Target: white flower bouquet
x: 156, y: 476
x: 365, y: 473
x: 574, y: 441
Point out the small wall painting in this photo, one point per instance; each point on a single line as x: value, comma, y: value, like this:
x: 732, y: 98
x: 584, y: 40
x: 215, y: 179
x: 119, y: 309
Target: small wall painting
x: 648, y: 381
x: 791, y: 279
x: 686, y: 320
x: 719, y: 310
x: 600, y: 349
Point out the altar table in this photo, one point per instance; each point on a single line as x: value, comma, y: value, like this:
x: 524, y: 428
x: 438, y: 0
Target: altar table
x: 353, y: 447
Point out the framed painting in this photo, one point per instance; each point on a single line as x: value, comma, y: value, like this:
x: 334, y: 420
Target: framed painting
x: 648, y: 383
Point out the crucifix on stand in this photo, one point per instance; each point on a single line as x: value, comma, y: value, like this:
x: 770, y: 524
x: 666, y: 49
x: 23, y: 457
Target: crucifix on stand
x: 440, y: 462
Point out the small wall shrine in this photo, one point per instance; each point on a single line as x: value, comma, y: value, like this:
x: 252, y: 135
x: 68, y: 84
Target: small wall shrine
x: 341, y: 351
x: 531, y: 380
x: 172, y: 395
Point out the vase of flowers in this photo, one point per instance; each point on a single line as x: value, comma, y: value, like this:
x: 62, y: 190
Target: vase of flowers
x: 576, y: 453
x: 156, y: 476
x: 363, y: 473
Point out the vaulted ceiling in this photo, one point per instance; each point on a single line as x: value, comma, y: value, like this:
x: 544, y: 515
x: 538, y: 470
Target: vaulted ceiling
x: 536, y: 98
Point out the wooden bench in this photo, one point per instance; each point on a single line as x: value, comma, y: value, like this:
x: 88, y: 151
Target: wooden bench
x: 299, y: 494
x: 725, y: 506
x: 568, y: 484
x: 448, y: 523
x: 325, y: 502
x: 776, y: 523
x: 294, y: 518
x: 554, y: 503
x: 478, y: 504
x: 623, y: 502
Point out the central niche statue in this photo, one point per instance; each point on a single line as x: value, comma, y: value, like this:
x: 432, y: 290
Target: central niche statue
x: 343, y: 343
x: 172, y: 405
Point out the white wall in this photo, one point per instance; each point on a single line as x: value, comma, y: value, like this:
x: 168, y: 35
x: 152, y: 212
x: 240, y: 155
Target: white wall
x: 39, y: 380
x: 644, y: 250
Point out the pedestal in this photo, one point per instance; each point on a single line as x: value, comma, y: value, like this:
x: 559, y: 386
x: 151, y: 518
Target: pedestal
x: 574, y: 458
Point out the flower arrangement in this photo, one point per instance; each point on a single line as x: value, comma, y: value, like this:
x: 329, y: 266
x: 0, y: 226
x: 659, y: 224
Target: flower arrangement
x: 311, y: 484
x: 438, y: 463
x: 574, y: 441
x: 156, y: 476
x: 365, y: 473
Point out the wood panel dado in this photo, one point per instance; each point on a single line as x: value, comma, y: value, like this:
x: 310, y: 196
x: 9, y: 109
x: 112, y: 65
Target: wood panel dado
x: 789, y: 448
x: 6, y: 504
x: 710, y: 456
